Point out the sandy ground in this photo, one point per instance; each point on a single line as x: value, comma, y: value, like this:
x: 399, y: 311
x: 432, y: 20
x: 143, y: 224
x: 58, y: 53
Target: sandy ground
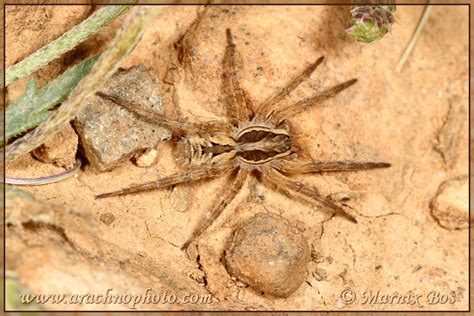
x: 397, y: 246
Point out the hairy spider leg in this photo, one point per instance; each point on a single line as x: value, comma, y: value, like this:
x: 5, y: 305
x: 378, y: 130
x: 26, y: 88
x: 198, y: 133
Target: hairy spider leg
x: 182, y: 127
x: 225, y: 197
x: 271, y: 104
x: 311, y: 166
x: 291, y: 110
x: 203, y: 172
x: 236, y: 104
x: 283, y: 183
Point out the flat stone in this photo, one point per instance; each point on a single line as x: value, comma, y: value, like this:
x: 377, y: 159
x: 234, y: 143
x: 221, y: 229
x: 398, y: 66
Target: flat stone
x: 268, y: 254
x: 450, y: 207
x: 109, y: 133
x: 60, y: 150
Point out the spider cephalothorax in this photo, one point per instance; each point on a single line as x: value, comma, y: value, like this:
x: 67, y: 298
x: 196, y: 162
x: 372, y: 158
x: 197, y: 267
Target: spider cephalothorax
x: 256, y: 144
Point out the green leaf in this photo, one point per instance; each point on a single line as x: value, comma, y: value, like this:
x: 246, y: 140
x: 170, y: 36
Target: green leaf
x: 65, y: 43
x: 32, y: 108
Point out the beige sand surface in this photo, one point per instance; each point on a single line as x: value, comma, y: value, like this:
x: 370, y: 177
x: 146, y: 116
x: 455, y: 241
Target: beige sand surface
x: 402, y: 118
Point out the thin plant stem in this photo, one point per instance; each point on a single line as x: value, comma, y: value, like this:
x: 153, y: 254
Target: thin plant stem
x: 48, y: 179
x: 65, y: 43
x: 123, y: 43
x: 411, y: 45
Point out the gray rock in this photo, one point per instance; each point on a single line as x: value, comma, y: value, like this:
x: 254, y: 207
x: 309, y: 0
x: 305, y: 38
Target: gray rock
x: 268, y: 254
x: 109, y: 133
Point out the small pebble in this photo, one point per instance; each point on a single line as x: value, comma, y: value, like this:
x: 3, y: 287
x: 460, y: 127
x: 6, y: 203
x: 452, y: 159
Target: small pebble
x: 107, y: 218
x: 450, y: 206
x: 320, y: 274
x: 61, y: 149
x: 147, y: 158
x: 268, y: 254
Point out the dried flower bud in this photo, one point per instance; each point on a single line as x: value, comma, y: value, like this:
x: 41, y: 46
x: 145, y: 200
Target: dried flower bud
x: 369, y: 23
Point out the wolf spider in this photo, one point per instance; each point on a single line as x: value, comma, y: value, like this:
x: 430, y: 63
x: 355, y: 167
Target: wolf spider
x: 258, y: 144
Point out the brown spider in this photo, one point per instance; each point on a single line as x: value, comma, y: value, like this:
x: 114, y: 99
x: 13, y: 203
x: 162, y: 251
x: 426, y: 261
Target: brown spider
x: 258, y: 144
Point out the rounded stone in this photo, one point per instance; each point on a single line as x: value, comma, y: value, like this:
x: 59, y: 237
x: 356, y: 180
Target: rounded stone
x: 268, y: 254
x: 107, y: 218
x: 450, y: 207
x: 147, y: 158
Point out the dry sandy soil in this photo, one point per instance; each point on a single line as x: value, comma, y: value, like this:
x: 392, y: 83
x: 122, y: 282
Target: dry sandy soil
x: 416, y: 119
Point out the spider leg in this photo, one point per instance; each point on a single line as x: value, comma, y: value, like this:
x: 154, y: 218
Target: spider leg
x: 236, y: 105
x: 141, y: 112
x: 295, y: 108
x: 226, y: 196
x: 155, y: 118
x: 309, y: 166
x: 279, y: 180
x: 205, y: 172
x: 269, y: 105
